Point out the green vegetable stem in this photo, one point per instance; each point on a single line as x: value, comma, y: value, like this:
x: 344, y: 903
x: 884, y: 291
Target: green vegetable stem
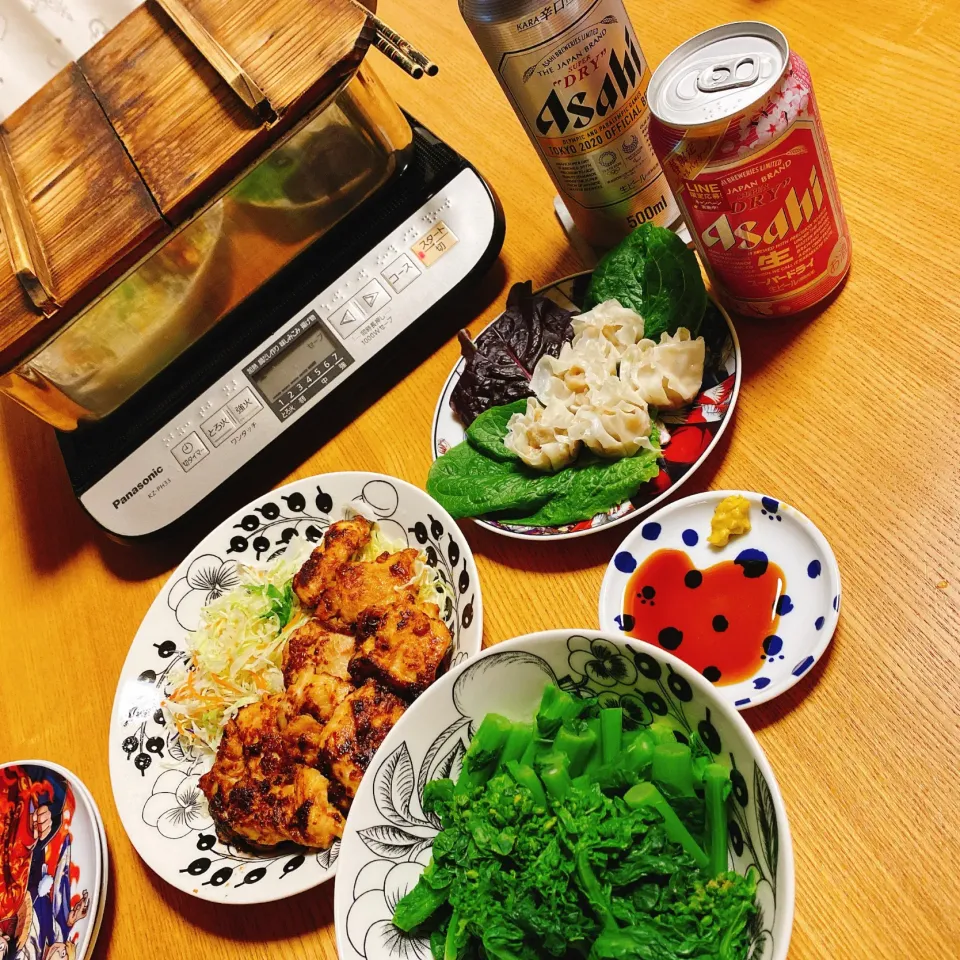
x: 672, y: 766
x: 526, y: 777
x: 597, y: 895
x: 611, y: 730
x: 556, y: 707
x: 552, y: 769
x: 661, y: 732
x: 421, y: 902
x: 647, y: 795
x: 480, y: 760
x: 576, y: 743
x: 716, y: 785
x: 518, y: 740
x: 455, y: 944
x: 638, y: 755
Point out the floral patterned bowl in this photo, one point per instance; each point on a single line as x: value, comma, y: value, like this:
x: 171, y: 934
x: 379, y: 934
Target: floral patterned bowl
x: 388, y: 836
x: 155, y: 779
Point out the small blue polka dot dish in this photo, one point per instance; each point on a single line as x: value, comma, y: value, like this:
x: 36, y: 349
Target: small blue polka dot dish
x: 752, y: 616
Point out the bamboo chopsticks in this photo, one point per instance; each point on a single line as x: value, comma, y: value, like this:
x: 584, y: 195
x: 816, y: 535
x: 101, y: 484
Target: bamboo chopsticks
x: 398, y: 50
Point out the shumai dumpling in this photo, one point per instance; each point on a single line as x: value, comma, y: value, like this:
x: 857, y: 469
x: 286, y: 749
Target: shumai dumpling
x: 577, y: 371
x: 608, y: 321
x: 667, y: 374
x: 540, y: 436
x: 611, y: 423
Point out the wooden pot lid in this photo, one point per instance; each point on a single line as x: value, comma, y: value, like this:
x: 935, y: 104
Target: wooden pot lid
x: 143, y: 132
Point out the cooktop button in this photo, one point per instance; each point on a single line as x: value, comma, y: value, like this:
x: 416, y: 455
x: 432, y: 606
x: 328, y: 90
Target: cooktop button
x: 219, y: 426
x: 190, y: 451
x: 244, y: 405
x: 401, y: 273
x: 346, y: 319
x: 372, y: 298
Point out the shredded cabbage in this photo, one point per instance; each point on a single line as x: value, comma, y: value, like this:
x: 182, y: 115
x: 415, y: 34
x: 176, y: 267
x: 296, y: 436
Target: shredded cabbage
x: 234, y: 657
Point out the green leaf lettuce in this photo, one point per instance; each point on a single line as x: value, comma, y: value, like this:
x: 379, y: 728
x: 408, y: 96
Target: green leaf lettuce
x: 653, y: 273
x: 481, y: 477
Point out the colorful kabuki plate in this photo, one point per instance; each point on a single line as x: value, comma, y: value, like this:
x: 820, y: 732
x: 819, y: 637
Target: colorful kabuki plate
x: 53, y: 850
x: 694, y: 431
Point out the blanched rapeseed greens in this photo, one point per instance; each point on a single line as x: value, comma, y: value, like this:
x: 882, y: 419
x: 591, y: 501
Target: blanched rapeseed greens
x: 555, y: 843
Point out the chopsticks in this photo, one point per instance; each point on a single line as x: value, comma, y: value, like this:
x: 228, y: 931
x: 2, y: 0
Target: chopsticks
x: 398, y: 50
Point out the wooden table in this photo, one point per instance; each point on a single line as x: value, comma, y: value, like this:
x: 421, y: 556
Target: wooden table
x: 851, y: 417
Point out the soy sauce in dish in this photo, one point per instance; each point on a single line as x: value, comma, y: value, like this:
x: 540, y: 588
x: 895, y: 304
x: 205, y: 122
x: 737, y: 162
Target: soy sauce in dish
x: 721, y: 620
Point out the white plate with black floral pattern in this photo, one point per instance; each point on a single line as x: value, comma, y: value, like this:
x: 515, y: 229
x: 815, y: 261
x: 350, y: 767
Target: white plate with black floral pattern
x: 155, y: 778
x: 388, y: 837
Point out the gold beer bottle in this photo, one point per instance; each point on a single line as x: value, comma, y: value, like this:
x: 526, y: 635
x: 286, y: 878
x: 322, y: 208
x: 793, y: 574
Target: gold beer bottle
x: 577, y: 79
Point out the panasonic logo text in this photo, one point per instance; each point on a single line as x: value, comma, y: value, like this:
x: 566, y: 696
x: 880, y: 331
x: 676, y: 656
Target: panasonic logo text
x: 152, y: 475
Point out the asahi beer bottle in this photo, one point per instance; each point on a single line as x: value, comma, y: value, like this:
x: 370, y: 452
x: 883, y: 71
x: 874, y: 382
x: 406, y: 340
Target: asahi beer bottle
x: 577, y: 79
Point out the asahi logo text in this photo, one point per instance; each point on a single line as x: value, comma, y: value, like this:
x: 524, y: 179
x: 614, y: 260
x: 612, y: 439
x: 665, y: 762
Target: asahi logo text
x: 795, y: 212
x: 624, y: 73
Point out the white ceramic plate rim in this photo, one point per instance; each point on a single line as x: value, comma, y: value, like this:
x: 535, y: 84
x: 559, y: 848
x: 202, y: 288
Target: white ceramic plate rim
x: 119, y: 774
x: 98, y: 888
x: 609, y: 598
x: 98, y: 920
x: 343, y: 892
x: 457, y: 370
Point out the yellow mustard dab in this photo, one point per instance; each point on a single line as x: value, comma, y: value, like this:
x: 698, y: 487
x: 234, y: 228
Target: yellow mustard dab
x: 732, y: 517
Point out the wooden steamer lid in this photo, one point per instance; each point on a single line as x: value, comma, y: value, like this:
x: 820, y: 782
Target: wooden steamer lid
x: 117, y: 150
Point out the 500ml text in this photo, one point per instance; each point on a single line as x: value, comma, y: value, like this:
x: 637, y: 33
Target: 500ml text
x: 648, y: 212
x: 151, y: 476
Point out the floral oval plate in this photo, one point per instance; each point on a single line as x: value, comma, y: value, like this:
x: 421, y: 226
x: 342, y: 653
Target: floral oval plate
x: 388, y: 837
x: 765, y: 606
x: 155, y: 780
x: 694, y: 431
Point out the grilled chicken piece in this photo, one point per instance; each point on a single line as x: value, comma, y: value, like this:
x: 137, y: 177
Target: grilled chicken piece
x: 351, y: 736
x: 357, y: 586
x: 342, y: 541
x: 315, y: 669
x: 400, y: 646
x: 262, y: 787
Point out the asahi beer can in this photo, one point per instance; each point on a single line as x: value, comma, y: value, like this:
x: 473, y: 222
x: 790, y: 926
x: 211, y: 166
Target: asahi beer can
x: 577, y: 79
x: 736, y: 127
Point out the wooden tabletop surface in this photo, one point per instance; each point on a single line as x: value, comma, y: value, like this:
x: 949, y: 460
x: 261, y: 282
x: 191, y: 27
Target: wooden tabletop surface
x: 850, y: 417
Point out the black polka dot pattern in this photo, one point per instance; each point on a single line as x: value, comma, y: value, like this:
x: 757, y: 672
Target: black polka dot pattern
x: 693, y: 579
x: 753, y: 562
x: 648, y: 593
x: 712, y: 673
x: 720, y: 623
x: 670, y: 638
